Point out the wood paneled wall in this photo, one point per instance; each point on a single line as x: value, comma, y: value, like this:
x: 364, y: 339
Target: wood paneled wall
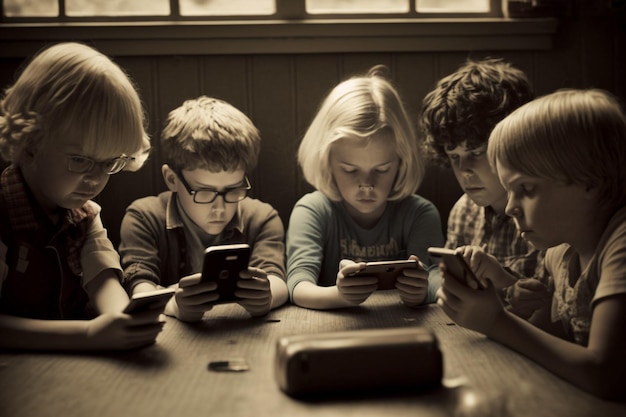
x: 281, y: 92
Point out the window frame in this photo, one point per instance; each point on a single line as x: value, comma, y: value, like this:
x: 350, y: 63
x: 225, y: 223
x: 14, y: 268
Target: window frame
x: 133, y: 36
x: 285, y: 9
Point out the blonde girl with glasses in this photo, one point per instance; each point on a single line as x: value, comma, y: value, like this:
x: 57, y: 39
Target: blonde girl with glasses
x: 72, y: 119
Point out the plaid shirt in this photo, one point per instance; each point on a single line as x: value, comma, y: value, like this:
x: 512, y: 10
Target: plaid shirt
x: 22, y: 215
x: 471, y: 224
x: 34, y: 285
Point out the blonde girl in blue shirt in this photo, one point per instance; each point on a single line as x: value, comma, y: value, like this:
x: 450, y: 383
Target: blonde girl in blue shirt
x: 362, y: 155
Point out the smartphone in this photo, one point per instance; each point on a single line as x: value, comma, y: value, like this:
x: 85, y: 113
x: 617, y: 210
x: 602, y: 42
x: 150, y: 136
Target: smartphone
x: 386, y: 271
x: 222, y: 264
x: 455, y: 263
x: 149, y: 300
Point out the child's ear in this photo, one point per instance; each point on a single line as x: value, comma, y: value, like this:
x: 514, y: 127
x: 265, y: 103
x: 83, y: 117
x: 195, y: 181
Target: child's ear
x: 169, y: 176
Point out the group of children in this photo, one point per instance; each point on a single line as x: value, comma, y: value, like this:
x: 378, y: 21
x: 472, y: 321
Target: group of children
x: 542, y: 220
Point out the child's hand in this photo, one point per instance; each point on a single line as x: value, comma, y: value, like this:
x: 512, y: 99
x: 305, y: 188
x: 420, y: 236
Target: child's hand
x: 486, y: 267
x: 475, y: 309
x: 119, y: 331
x: 528, y: 295
x: 413, y: 285
x: 354, y: 289
x: 192, y: 299
x: 255, y: 291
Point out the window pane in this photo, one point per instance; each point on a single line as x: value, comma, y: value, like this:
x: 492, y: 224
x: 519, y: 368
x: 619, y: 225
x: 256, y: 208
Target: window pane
x: 226, y: 7
x: 117, y: 7
x: 19, y: 8
x: 452, y: 6
x: 357, y: 6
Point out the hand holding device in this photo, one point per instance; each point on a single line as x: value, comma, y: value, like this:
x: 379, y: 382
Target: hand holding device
x: 255, y: 292
x: 149, y: 300
x: 456, y: 265
x: 387, y: 272
x: 354, y: 289
x: 192, y: 299
x: 412, y: 284
x: 222, y: 265
x: 112, y: 331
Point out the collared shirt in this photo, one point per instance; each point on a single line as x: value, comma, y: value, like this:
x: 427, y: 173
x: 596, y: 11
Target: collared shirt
x: 19, y: 205
x: 471, y: 224
x: 160, y: 244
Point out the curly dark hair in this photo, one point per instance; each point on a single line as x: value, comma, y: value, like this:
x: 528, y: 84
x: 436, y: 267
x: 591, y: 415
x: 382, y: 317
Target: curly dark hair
x: 466, y: 105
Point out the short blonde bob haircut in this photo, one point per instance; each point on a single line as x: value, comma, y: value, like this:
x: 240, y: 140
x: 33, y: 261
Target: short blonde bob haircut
x: 72, y: 90
x: 360, y: 107
x: 574, y: 137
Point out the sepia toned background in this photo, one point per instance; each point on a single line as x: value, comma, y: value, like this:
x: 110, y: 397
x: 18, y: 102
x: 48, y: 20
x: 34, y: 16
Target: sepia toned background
x: 277, y: 72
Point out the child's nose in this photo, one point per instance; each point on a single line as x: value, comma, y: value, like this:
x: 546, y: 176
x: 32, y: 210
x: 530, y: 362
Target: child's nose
x: 366, y: 180
x: 466, y: 165
x: 97, y: 174
x: 218, y: 204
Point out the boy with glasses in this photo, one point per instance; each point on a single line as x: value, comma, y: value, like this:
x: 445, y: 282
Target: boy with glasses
x: 209, y: 147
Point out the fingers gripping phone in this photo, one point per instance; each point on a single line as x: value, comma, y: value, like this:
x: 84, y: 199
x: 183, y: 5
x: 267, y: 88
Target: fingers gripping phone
x: 386, y: 271
x: 455, y: 263
x: 222, y: 265
x: 149, y: 300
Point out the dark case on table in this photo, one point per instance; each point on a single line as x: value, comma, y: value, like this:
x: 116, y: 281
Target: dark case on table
x: 358, y: 360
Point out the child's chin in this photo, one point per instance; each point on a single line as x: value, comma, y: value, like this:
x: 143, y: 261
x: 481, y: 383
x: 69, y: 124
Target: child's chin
x: 75, y: 203
x: 215, y: 228
x: 536, y: 242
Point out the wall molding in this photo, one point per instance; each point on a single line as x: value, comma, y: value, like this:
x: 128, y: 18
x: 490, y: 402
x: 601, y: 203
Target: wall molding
x: 285, y: 36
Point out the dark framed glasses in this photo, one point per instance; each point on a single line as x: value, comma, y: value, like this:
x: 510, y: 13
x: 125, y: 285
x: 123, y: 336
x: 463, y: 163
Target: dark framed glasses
x: 80, y: 164
x: 207, y: 196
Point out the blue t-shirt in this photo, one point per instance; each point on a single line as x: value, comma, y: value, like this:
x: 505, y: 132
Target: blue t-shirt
x: 321, y: 233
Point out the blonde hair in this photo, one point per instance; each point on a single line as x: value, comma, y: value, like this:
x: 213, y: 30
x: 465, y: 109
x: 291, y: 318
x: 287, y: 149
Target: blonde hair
x: 360, y: 107
x: 570, y: 136
x: 71, y: 90
x: 211, y: 134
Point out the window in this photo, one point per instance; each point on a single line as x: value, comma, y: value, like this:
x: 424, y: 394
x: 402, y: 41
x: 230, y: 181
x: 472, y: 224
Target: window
x: 227, y: 27
x: 396, y: 6
x: 355, y: 6
x: 85, y: 10
x: 226, y: 7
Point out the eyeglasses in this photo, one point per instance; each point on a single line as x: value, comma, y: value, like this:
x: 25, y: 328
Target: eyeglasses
x: 207, y: 196
x: 80, y: 164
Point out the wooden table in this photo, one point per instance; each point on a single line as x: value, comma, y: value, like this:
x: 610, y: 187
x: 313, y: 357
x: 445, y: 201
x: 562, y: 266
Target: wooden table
x: 171, y: 378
